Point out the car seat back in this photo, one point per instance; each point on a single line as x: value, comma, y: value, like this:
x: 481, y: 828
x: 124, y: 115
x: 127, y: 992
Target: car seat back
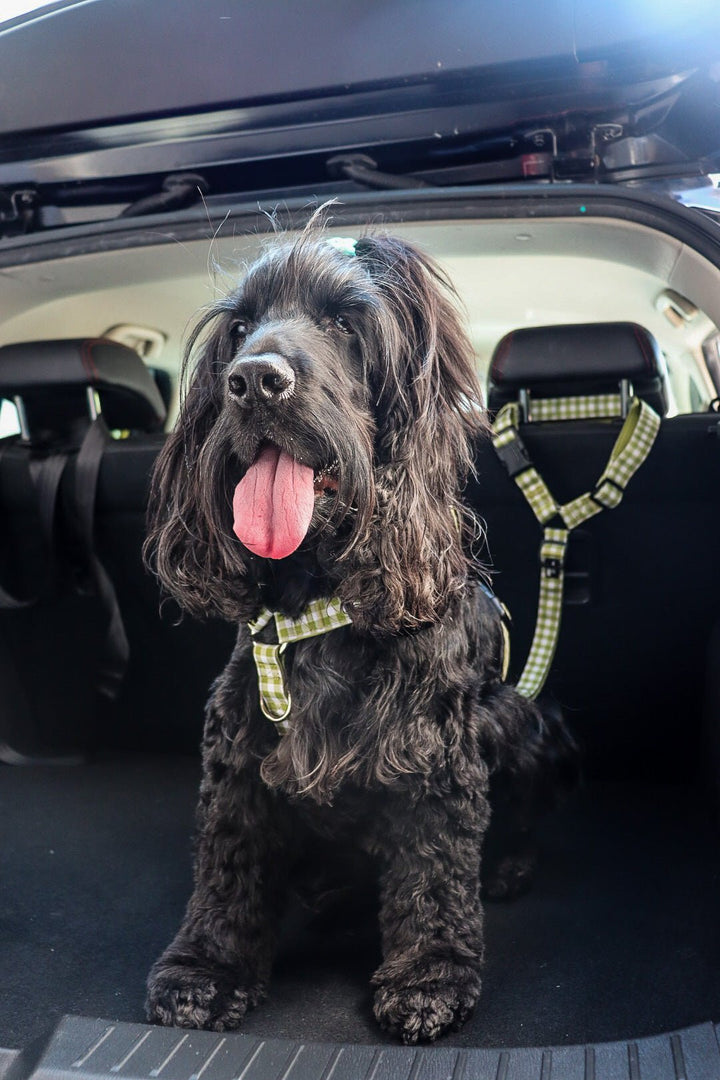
x: 61, y: 631
x: 642, y: 580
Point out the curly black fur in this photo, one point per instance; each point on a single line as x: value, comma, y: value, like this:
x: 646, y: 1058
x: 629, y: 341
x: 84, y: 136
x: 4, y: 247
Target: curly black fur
x: 398, y: 719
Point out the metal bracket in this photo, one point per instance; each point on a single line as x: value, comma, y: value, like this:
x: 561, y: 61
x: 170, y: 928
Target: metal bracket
x: 524, y: 403
x: 18, y: 211
x: 551, y: 568
x: 93, y: 402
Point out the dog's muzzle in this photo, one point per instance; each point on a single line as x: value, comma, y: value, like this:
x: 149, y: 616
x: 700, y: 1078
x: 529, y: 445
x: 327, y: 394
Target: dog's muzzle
x: 260, y: 380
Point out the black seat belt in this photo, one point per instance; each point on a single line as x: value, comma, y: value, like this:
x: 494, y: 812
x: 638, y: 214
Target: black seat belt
x: 45, y: 475
x: 116, y: 650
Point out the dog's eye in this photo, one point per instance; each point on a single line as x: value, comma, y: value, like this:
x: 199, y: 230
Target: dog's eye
x: 239, y: 330
x: 341, y: 323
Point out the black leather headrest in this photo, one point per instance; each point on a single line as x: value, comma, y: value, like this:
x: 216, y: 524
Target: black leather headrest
x: 564, y: 361
x: 52, y: 378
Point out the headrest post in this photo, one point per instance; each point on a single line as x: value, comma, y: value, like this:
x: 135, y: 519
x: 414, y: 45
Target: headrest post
x: 22, y: 418
x: 93, y: 401
x: 625, y: 391
x: 524, y: 402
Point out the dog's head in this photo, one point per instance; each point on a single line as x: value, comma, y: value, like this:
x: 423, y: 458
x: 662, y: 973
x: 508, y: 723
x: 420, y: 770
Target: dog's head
x: 329, y: 422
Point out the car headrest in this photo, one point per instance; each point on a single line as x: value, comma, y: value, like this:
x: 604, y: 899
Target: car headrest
x: 52, y: 379
x: 565, y: 361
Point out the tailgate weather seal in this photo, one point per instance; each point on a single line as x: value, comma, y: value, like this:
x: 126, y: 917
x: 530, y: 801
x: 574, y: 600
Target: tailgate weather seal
x: 89, y: 1049
x: 228, y: 218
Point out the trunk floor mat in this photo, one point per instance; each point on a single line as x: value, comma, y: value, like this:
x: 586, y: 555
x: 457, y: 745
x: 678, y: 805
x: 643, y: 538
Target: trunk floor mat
x: 619, y: 937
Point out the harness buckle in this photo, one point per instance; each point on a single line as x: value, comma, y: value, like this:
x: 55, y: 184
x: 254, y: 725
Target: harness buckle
x: 497, y: 603
x: 514, y: 455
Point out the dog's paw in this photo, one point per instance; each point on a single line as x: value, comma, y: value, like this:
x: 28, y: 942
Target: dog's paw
x: 194, y: 997
x: 512, y: 877
x: 424, y: 1012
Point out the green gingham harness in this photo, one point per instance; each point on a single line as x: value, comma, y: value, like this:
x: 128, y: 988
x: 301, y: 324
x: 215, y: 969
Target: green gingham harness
x: 321, y: 616
x: 318, y: 618
x: 631, y: 448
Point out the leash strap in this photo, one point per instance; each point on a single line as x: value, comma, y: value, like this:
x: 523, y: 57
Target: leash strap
x: 631, y: 448
x: 505, y: 624
x: 547, y: 625
x: 318, y: 618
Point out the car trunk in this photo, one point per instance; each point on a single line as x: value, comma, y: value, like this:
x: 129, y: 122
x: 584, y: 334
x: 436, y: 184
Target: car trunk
x: 608, y: 967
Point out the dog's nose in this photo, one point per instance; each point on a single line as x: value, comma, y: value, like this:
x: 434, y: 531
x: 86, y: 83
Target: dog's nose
x: 263, y: 379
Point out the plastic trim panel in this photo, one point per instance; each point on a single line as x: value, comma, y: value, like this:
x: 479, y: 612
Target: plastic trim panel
x: 92, y: 1049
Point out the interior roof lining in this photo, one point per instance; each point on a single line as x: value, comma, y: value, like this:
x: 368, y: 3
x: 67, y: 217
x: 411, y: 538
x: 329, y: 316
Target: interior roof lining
x: 87, y: 293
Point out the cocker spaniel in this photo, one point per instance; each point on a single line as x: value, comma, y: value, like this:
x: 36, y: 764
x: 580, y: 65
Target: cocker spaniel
x: 311, y: 492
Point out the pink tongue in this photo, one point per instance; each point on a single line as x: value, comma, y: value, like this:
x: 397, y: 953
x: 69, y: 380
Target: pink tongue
x: 273, y: 504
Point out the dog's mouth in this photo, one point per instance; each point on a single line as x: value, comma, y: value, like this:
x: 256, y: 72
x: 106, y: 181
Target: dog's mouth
x: 326, y: 481
x: 274, y: 502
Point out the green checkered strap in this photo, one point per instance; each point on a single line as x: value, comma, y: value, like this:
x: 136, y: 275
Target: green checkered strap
x: 631, y: 448
x: 318, y: 618
x: 547, y: 626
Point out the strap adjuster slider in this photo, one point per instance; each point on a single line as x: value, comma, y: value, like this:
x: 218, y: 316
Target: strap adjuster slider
x: 551, y: 567
x: 595, y: 493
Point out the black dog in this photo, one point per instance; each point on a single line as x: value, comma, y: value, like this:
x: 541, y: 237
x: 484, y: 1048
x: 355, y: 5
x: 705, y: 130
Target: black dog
x: 320, y: 455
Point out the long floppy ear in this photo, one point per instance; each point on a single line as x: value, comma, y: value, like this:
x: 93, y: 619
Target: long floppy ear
x: 428, y: 407
x: 189, y: 545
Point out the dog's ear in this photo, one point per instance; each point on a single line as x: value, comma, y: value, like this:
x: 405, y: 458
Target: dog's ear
x: 428, y: 408
x: 189, y: 545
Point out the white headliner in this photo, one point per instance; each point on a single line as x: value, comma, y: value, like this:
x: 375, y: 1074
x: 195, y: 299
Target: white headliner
x: 508, y: 273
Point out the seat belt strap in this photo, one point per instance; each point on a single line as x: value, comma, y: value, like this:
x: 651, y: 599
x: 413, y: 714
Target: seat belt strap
x: 631, y: 448
x: 116, y: 650
x: 45, y: 474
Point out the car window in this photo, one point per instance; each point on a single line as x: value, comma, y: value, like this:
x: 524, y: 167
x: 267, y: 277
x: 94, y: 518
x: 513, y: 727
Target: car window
x: 9, y: 424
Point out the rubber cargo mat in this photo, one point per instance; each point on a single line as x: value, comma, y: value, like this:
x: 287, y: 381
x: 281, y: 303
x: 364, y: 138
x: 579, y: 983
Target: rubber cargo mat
x: 618, y: 939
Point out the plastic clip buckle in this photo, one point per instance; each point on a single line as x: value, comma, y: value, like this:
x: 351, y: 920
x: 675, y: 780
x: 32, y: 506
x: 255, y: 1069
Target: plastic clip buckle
x: 514, y: 456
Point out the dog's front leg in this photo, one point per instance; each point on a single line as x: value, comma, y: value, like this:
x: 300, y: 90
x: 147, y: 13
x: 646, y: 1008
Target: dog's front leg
x: 218, y: 965
x: 431, y: 918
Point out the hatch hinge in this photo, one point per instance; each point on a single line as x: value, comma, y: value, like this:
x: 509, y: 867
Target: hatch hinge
x: 18, y: 211
x: 574, y: 153
x: 177, y: 191
x: 363, y: 169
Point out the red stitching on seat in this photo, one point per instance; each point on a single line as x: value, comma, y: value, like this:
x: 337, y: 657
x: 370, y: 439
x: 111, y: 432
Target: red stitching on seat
x: 647, y: 353
x: 86, y: 357
x: 501, y: 355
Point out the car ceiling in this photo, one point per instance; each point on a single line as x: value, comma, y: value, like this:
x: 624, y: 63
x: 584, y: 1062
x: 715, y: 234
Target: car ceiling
x: 508, y: 274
